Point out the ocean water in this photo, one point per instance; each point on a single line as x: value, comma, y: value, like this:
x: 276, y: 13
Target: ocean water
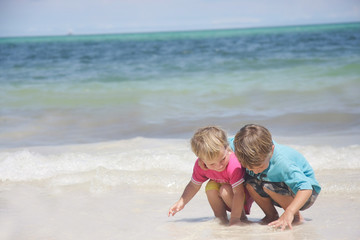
x: 94, y: 130
x: 302, y: 80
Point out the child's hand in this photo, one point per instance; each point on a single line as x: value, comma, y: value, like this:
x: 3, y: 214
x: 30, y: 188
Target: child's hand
x: 285, y: 220
x: 178, y: 206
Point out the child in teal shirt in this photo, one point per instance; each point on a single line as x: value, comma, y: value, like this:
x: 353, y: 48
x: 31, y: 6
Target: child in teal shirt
x: 276, y: 175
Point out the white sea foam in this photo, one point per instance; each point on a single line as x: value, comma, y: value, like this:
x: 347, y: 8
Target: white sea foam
x: 141, y: 162
x: 331, y: 158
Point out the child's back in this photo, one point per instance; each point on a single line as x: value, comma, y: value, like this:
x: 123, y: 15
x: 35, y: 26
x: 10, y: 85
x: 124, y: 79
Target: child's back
x: 289, y: 166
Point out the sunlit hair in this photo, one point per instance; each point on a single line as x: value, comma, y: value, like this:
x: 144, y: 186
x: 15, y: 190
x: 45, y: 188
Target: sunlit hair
x: 208, y: 142
x: 253, y: 143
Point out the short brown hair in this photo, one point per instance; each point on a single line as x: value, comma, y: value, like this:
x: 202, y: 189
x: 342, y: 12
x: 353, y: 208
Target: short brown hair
x: 208, y: 142
x: 252, y: 143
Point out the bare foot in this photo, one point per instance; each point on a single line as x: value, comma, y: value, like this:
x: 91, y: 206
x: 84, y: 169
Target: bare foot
x: 223, y: 220
x: 298, y: 218
x: 243, y: 217
x: 246, y: 221
x: 268, y: 219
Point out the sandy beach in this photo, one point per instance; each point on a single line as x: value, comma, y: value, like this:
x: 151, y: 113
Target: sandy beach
x: 33, y: 213
x: 99, y: 203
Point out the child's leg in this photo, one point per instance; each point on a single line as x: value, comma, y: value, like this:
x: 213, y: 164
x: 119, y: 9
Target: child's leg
x: 265, y: 204
x: 216, y: 202
x: 227, y: 195
x: 284, y: 201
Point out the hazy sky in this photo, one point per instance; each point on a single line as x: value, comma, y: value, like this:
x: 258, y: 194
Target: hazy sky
x: 60, y: 17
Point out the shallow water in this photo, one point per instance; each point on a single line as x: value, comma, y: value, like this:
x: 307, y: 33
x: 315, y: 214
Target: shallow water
x: 297, y: 81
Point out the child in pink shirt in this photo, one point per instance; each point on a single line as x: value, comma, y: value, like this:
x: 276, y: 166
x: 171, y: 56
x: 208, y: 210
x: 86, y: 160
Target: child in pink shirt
x: 225, y: 190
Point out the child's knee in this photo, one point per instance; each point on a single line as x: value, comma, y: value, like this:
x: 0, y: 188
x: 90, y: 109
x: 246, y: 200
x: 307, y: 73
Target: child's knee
x: 266, y: 190
x: 277, y: 188
x: 225, y: 190
x: 212, y: 193
x: 249, y: 187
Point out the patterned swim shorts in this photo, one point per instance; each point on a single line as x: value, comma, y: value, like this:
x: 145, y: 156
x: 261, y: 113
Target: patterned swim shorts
x: 277, y: 187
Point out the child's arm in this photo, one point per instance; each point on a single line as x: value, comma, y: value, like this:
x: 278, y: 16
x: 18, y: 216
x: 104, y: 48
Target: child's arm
x: 189, y: 192
x: 237, y: 204
x: 288, y: 216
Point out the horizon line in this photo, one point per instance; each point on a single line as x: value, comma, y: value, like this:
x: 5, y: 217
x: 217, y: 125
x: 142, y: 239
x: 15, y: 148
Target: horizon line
x: 70, y: 34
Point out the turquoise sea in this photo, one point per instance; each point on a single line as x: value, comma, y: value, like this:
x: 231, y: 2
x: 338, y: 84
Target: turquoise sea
x: 94, y: 130
x: 300, y: 80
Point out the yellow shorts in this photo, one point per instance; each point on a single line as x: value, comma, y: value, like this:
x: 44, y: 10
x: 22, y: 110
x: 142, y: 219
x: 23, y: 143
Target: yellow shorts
x: 212, y: 185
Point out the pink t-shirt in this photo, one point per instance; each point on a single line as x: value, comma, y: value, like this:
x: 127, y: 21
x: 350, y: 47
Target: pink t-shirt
x: 233, y: 174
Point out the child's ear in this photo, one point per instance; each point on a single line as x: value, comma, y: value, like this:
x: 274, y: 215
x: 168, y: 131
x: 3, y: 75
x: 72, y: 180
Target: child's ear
x: 202, y: 164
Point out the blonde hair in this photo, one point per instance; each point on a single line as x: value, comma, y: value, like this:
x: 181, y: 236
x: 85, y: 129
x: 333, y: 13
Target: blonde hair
x: 208, y: 142
x: 252, y: 143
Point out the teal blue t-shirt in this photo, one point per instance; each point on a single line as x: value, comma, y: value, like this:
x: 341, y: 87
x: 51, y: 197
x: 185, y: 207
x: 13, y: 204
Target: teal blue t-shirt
x: 289, y: 166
